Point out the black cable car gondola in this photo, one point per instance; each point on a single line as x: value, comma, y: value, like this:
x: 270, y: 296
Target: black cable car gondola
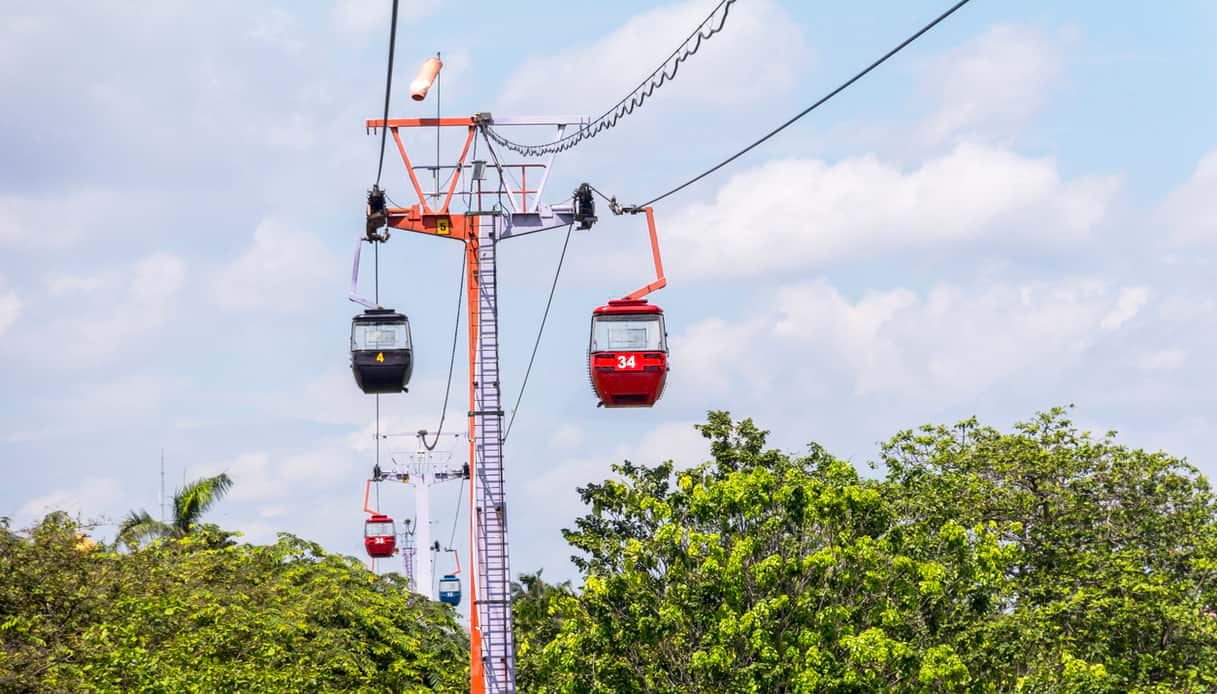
x: 381, y: 358
x: 450, y: 590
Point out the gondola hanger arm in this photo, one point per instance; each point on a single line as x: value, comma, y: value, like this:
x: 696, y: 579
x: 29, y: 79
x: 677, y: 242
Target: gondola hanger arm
x: 353, y: 294
x: 366, y: 489
x: 660, y: 280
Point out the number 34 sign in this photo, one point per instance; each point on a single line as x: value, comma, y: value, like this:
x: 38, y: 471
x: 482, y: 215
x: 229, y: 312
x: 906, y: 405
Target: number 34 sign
x: 626, y: 362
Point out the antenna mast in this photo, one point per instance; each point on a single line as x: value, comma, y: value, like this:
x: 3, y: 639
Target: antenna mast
x: 162, y: 485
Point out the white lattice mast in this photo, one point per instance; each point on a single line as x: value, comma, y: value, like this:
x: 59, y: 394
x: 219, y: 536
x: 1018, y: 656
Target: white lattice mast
x: 408, y: 551
x: 425, y: 470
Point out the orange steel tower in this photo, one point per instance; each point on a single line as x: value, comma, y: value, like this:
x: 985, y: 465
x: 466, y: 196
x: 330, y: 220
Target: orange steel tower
x: 509, y: 206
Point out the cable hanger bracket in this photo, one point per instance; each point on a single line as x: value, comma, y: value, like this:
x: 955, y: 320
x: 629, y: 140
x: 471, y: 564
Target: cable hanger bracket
x: 378, y: 219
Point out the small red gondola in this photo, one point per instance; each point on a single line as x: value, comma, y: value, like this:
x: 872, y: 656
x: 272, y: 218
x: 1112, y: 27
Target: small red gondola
x: 628, y: 354
x: 379, y: 536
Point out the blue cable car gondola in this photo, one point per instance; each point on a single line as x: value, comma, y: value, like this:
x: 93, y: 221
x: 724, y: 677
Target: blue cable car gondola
x: 450, y: 590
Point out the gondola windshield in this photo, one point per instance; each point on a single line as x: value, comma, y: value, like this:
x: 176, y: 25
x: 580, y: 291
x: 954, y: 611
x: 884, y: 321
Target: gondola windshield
x: 378, y: 528
x: 637, y: 333
x: 380, y: 336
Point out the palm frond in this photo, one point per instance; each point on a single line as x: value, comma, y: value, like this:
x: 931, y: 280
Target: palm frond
x: 193, y: 500
x: 140, y: 526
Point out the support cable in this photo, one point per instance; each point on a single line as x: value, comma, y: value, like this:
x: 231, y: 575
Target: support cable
x: 459, y: 497
x: 845, y: 85
x: 376, y: 298
x: 456, y: 327
x: 661, y: 75
x: 540, y: 332
x: 384, y: 131
x: 456, y: 324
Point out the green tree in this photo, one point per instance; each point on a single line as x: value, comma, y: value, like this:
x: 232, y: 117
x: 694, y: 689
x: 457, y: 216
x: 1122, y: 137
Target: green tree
x: 1039, y: 560
x: 1114, y: 584
x: 536, y: 614
x: 189, y: 504
x: 763, y: 572
x: 191, y: 616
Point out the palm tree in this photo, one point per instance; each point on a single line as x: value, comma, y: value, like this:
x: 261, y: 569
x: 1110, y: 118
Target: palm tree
x: 531, y: 599
x: 189, y: 505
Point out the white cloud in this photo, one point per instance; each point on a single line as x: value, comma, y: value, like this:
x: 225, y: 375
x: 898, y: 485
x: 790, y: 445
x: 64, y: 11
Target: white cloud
x: 131, y: 304
x: 129, y: 397
x: 955, y: 341
x: 10, y: 310
x: 363, y: 16
x: 1189, y: 213
x: 792, y: 214
x: 59, y: 284
x: 992, y: 84
x: 262, y: 477
x: 566, y: 436
x: 55, y: 220
x: 675, y: 441
x: 1162, y: 360
x: 726, y: 69
x: 283, y: 267
x: 716, y: 350
x: 1129, y: 304
x: 277, y: 28
x: 91, y: 498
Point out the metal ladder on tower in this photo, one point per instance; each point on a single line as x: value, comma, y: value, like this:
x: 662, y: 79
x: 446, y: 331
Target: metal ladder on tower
x: 494, y: 574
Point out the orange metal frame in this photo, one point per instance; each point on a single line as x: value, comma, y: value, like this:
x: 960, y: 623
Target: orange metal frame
x: 421, y: 218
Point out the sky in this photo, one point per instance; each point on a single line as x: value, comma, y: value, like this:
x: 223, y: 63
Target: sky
x: 1018, y: 212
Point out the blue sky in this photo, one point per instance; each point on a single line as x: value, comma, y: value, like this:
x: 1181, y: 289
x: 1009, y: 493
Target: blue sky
x: 1016, y: 213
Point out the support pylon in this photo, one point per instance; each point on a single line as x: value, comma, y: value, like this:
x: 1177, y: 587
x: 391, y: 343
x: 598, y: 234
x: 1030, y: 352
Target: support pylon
x: 516, y: 210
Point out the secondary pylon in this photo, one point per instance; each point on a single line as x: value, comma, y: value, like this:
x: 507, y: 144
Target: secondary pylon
x: 424, y: 469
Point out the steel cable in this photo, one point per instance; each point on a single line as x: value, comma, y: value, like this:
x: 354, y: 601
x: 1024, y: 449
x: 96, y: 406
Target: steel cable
x: 845, y: 85
x: 456, y: 328
x: 634, y: 99
x: 540, y: 332
x: 384, y: 131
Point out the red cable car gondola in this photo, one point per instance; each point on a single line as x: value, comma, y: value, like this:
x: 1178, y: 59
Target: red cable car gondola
x: 628, y: 351
x: 379, y: 536
x: 628, y: 354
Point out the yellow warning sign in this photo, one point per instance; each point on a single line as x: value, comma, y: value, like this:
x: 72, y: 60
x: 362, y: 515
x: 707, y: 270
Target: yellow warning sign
x: 380, y: 356
x: 443, y: 226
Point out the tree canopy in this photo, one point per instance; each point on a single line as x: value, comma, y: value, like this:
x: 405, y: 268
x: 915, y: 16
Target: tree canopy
x: 201, y: 614
x: 1039, y: 560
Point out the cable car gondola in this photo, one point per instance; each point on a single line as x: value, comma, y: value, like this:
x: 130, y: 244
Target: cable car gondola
x: 379, y: 536
x: 628, y: 354
x: 381, y: 358
x: 450, y: 590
